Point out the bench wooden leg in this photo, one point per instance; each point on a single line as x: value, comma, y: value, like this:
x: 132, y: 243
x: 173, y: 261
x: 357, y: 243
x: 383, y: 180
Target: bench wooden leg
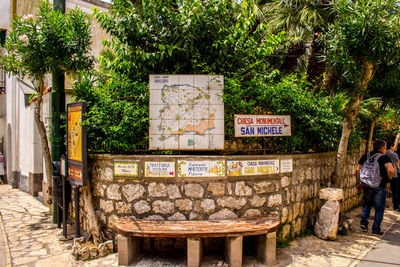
x: 128, y: 250
x: 266, y: 248
x: 234, y: 250
x: 194, y: 252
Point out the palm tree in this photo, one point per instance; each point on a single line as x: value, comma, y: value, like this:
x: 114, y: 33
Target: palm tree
x: 371, y: 109
x: 304, y: 21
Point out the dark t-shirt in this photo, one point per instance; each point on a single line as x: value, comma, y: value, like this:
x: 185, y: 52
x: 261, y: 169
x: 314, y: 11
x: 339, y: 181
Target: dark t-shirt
x: 382, y: 161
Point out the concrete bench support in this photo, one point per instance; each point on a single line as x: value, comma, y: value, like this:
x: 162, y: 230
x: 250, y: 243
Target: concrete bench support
x: 234, y: 250
x: 128, y: 250
x: 194, y: 252
x: 266, y: 248
x: 132, y: 230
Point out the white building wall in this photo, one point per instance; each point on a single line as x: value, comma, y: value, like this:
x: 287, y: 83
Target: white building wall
x: 5, y: 7
x: 2, y: 127
x: 2, y: 116
x: 26, y: 125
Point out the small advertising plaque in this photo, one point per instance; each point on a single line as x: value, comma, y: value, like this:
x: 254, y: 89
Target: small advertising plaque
x: 252, y: 167
x: 262, y: 125
x: 126, y: 169
x: 159, y: 169
x: 286, y: 165
x: 204, y: 168
x: 76, y: 143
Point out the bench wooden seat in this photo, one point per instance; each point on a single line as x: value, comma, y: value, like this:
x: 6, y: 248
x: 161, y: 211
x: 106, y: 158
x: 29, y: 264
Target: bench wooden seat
x: 264, y: 227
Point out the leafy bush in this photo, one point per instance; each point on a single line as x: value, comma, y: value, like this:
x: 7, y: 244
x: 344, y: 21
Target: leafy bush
x: 115, y: 124
x: 388, y: 126
x: 315, y: 125
x: 197, y: 37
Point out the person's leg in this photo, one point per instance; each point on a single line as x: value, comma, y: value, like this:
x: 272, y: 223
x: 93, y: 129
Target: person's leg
x: 380, y: 201
x: 394, y: 185
x: 367, y: 203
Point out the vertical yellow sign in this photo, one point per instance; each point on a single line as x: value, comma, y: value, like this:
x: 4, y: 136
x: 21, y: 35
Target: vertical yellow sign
x: 75, y: 133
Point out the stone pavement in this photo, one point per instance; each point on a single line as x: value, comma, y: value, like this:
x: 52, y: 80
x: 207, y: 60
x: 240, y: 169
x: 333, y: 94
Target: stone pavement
x: 386, y: 252
x: 28, y: 238
x: 32, y: 238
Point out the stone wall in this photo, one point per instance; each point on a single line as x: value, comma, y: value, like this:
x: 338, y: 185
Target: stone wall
x: 293, y: 195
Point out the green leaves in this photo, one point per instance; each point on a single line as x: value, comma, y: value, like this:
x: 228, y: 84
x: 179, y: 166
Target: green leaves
x: 51, y: 40
x: 314, y: 120
x: 188, y: 37
x: 366, y: 30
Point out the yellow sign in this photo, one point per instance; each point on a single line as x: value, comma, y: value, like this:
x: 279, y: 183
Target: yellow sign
x: 75, y: 133
x: 252, y: 167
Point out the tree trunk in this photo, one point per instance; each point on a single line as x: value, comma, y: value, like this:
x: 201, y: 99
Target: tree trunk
x: 93, y: 227
x: 371, y: 134
x: 330, y: 82
x: 294, y: 52
x: 396, y: 141
x: 43, y: 139
x: 316, y: 67
x: 350, y: 114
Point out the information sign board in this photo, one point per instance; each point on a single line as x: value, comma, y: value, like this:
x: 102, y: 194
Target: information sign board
x: 76, y: 143
x: 262, y: 125
x: 186, y: 112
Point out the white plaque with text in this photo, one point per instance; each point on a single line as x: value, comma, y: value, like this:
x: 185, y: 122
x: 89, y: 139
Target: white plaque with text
x: 286, y: 165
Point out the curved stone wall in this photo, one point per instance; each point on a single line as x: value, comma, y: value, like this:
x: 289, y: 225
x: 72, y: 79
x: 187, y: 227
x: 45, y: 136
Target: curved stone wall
x: 294, y: 195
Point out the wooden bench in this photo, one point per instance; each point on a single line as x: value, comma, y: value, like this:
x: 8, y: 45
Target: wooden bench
x: 264, y: 227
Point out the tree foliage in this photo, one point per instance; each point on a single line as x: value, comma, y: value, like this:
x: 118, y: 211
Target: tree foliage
x: 363, y: 30
x: 190, y: 37
x: 197, y: 37
x: 363, y: 39
x: 36, y: 45
x: 315, y: 121
x: 187, y: 37
x: 40, y: 44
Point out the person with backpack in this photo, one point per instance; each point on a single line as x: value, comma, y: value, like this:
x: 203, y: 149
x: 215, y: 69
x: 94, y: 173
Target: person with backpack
x: 374, y: 171
x: 394, y: 183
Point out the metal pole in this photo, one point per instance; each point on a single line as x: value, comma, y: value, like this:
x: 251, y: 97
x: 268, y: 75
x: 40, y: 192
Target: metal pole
x: 57, y: 109
x: 64, y: 208
x: 77, y: 226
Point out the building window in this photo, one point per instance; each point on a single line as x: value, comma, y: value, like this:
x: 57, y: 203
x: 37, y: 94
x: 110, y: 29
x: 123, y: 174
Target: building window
x: 2, y: 37
x: 2, y: 82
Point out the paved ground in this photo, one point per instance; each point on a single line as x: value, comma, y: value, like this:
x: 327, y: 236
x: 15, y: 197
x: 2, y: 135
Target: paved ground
x: 29, y: 239
x: 386, y: 252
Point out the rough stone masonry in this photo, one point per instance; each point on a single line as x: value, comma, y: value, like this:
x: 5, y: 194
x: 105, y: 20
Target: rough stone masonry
x: 293, y: 195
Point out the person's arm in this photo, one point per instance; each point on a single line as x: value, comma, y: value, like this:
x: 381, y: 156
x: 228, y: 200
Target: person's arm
x: 390, y: 170
x: 358, y: 185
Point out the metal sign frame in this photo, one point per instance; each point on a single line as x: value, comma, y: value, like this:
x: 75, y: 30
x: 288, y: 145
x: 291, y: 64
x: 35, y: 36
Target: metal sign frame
x: 76, y: 144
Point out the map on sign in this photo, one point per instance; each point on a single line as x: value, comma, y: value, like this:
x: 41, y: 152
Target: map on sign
x: 186, y: 112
